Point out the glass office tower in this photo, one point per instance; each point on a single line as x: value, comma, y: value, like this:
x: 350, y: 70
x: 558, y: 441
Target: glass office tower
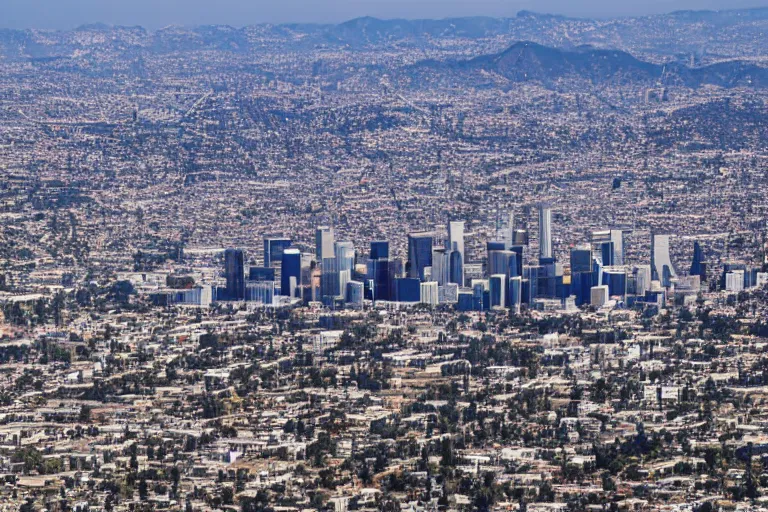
x: 545, y: 233
x: 419, y: 254
x: 234, y: 271
x: 290, y: 280
x: 273, y: 250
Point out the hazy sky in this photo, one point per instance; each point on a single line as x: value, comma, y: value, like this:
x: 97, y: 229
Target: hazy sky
x: 158, y: 13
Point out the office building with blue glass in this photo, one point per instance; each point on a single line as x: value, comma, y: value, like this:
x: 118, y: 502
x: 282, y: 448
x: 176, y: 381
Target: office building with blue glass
x: 407, y: 289
x: 234, y: 272
x: 419, y: 254
x: 273, y: 250
x: 290, y: 278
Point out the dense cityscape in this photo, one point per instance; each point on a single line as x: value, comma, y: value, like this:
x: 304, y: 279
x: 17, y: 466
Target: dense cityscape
x: 488, y: 264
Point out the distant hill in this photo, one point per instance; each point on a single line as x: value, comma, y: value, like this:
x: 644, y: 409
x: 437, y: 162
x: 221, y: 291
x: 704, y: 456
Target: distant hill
x: 724, y: 16
x: 718, y: 35
x: 373, y: 30
x: 532, y: 62
x: 369, y: 30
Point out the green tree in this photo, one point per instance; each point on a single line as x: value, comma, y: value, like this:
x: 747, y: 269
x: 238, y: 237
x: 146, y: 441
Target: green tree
x: 31, y: 458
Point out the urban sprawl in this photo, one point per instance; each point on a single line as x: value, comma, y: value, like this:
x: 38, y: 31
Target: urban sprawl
x: 485, y: 264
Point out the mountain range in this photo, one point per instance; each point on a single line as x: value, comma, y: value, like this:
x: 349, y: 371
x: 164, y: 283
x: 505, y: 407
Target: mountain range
x: 681, y: 33
x: 686, y: 48
x: 532, y: 62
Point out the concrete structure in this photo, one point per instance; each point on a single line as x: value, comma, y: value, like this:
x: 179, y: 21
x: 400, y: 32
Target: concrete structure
x: 430, y: 293
x: 660, y: 258
x: 599, y: 295
x: 545, y: 232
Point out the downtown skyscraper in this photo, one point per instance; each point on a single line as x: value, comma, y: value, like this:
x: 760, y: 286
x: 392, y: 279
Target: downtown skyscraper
x: 419, y: 253
x: 456, y: 255
x: 545, y: 233
x: 234, y: 272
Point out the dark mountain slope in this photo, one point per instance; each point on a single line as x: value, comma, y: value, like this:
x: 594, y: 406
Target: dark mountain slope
x: 531, y: 62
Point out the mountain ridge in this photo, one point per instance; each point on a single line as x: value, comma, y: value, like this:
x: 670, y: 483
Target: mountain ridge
x: 760, y: 12
x: 527, y: 61
x: 721, y: 34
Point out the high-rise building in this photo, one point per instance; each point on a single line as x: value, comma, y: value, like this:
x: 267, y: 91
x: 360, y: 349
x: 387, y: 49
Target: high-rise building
x: 465, y: 302
x: 642, y: 279
x: 262, y: 274
x: 290, y: 278
x: 597, y: 272
x: 698, y: 266
x: 197, y: 296
x: 498, y: 262
x: 379, y: 250
x: 515, y: 293
x: 383, y: 273
x: 441, y: 266
x: 520, y: 237
x: 660, y: 257
x: 480, y: 295
x: 313, y: 277
x: 273, y: 250
x: 495, y: 245
x: 345, y: 276
x: 329, y: 279
x: 545, y: 233
x: 606, y: 253
x: 456, y: 255
x: 519, y: 251
x: 336, y: 268
x: 731, y: 267
x: 581, y: 286
x: 456, y: 237
x: 616, y: 238
x: 345, y: 255
x: 309, y: 277
x: 407, y: 290
x: 355, y: 293
x: 456, y: 274
x: 260, y: 291
x: 234, y: 271
x: 599, y: 295
x: 419, y: 254
x: 581, y: 259
x: 429, y: 293
x: 750, y: 278
x: 526, y: 293
x: 508, y: 230
x: 734, y: 281
x: 533, y: 273
x: 616, y: 280
x: 503, y: 262
x: 547, y: 284
x: 324, y: 243
x: 497, y: 286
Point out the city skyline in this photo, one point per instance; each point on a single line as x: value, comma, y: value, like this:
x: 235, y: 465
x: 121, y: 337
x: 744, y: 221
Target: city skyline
x: 594, y: 272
